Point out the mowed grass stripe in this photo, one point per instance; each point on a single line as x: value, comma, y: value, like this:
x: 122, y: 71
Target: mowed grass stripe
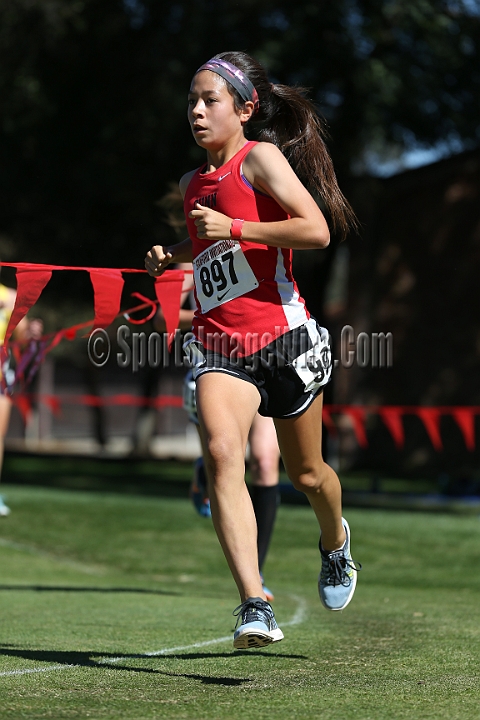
x: 406, y: 648
x: 298, y: 617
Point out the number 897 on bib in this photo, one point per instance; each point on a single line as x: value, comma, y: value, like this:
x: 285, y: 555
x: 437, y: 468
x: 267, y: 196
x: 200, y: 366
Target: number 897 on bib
x: 222, y: 273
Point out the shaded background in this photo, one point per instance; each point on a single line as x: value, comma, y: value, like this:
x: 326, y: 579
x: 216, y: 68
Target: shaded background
x: 94, y: 131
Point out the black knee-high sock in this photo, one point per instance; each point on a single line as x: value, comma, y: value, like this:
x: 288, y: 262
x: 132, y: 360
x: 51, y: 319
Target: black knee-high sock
x: 265, y: 501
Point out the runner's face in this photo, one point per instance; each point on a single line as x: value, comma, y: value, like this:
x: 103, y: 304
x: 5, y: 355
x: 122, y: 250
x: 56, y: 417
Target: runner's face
x: 212, y: 114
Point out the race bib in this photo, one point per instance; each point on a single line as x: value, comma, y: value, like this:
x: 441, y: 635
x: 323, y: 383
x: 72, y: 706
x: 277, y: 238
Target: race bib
x: 314, y: 366
x: 222, y: 273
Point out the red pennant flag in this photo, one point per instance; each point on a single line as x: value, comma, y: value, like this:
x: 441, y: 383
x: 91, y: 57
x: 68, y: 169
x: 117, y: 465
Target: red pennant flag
x: 168, y: 289
x: 52, y: 402
x: 328, y: 422
x: 107, y: 287
x: 465, y: 419
x: 30, y: 284
x: 431, y: 421
x: 357, y: 414
x: 24, y: 405
x: 392, y: 417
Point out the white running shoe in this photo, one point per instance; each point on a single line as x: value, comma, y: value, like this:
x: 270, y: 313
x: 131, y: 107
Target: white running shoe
x: 4, y: 509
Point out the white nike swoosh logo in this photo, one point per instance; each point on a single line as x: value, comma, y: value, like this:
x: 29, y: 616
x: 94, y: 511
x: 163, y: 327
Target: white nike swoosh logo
x: 224, y: 176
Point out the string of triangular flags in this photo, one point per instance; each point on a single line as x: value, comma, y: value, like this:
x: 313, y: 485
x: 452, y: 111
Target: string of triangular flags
x: 108, y: 283
x: 392, y: 416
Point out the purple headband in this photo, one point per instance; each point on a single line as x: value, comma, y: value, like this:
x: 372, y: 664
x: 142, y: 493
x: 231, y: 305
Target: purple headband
x: 235, y: 77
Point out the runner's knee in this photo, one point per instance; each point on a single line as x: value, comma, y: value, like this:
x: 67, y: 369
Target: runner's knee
x: 310, y: 479
x: 264, y: 469
x: 223, y: 452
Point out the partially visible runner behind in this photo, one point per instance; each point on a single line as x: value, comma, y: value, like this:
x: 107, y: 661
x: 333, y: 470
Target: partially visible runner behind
x: 25, y: 330
x: 264, y: 451
x: 255, y: 345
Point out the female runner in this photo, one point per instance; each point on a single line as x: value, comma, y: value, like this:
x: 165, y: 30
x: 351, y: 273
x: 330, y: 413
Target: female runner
x: 254, y: 344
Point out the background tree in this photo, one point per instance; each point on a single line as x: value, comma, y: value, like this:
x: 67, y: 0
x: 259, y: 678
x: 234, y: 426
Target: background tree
x: 94, y: 132
x: 93, y: 101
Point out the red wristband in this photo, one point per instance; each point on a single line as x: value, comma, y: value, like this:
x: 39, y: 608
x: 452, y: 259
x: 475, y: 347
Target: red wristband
x: 236, y: 229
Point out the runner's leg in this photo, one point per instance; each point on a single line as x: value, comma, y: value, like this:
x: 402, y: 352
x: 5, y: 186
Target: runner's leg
x: 264, y: 470
x: 300, y: 440
x: 5, y: 411
x: 226, y: 407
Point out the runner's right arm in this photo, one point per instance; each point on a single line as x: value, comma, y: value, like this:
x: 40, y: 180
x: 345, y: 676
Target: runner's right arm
x: 160, y: 256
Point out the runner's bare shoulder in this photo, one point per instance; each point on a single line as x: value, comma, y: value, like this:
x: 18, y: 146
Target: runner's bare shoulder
x: 185, y: 181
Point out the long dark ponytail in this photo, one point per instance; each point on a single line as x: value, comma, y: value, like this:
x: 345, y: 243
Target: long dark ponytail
x: 289, y: 120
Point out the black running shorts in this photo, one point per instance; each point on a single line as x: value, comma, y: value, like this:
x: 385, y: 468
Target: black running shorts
x: 288, y: 373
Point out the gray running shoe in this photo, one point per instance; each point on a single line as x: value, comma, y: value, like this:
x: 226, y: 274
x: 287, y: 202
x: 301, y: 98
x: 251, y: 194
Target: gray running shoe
x: 258, y: 626
x: 338, y: 576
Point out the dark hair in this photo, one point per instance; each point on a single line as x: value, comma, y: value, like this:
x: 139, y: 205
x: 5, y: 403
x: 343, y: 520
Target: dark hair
x: 290, y: 121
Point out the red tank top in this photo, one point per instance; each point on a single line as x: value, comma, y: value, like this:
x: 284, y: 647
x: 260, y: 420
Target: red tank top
x: 269, y: 304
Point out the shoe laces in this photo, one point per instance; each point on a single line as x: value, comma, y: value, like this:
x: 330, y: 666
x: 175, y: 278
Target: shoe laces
x: 335, y: 567
x: 254, y: 610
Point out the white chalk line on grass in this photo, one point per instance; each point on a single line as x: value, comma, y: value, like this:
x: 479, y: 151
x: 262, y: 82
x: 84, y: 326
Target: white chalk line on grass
x: 298, y: 617
x: 27, y: 671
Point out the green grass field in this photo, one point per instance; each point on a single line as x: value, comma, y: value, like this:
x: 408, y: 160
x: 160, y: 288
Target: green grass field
x: 119, y: 606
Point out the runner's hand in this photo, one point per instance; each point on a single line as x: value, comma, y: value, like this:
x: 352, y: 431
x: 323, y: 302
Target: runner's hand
x: 211, y: 225
x: 157, y: 260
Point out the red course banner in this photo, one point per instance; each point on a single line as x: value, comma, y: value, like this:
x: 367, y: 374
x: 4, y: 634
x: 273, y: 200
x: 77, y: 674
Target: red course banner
x: 107, y: 286
x: 390, y: 414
